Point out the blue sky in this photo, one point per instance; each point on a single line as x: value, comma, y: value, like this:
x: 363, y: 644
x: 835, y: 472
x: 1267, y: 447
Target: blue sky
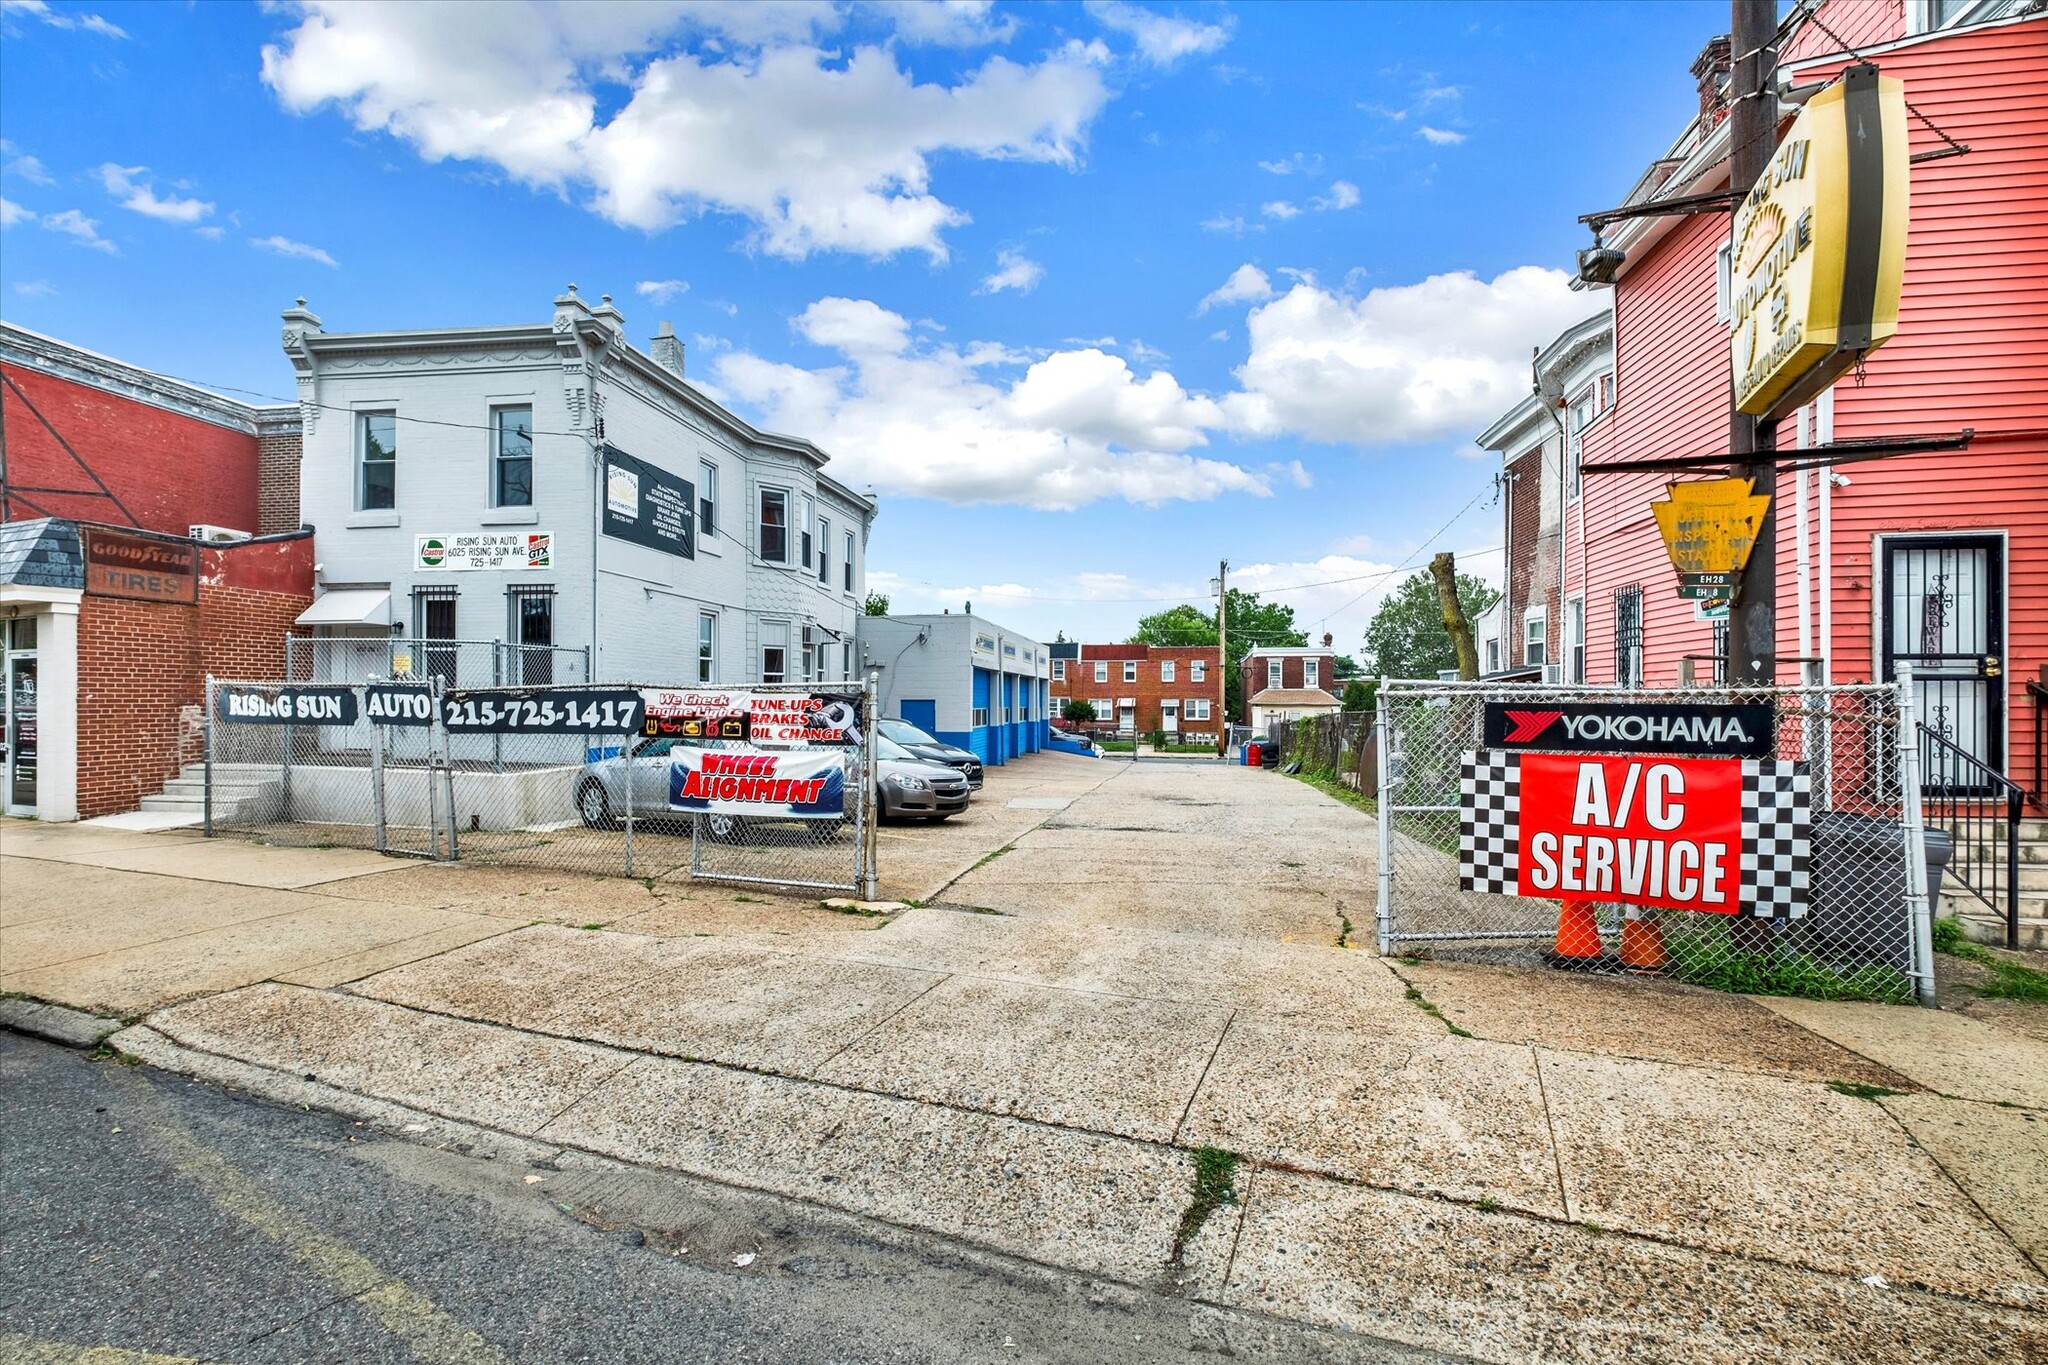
x: 1092, y: 294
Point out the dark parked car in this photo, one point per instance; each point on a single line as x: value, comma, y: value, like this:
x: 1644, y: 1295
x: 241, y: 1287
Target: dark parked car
x: 933, y: 750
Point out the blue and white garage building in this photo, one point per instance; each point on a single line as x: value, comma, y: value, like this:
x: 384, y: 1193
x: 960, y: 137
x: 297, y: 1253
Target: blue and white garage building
x: 962, y: 678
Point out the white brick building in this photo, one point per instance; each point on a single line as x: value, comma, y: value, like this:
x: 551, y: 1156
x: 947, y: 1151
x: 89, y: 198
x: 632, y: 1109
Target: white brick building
x: 549, y: 484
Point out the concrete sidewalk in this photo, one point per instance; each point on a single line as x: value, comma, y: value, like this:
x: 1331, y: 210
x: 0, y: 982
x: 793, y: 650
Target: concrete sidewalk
x: 1489, y: 1162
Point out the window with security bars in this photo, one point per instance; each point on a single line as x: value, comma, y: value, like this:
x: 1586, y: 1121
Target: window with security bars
x: 531, y: 631
x: 1720, y: 651
x: 1628, y: 636
x: 433, y: 618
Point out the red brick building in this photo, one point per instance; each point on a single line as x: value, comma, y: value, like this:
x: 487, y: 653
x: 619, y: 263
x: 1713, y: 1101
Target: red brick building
x: 1289, y: 683
x: 148, y: 537
x: 1174, y: 690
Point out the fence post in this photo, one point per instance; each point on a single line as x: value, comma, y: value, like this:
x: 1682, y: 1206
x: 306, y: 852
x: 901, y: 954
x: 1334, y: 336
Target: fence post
x: 1916, y: 841
x: 869, y: 876
x: 206, y: 758
x: 377, y: 787
x: 626, y: 763
x: 1383, y: 818
x: 2014, y: 810
x: 497, y: 680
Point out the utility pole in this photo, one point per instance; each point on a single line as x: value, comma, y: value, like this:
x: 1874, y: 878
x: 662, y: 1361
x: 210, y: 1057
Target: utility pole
x: 1223, y: 655
x: 1753, y: 137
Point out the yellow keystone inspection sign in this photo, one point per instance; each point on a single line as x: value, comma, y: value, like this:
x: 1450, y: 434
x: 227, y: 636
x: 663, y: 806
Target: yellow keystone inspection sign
x: 1709, y: 527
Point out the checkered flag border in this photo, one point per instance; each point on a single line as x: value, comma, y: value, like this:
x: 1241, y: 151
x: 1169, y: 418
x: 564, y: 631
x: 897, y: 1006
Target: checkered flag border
x: 1489, y: 822
x: 1777, y: 838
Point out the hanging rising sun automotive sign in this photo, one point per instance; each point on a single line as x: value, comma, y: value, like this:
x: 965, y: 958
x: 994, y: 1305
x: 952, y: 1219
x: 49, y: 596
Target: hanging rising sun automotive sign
x: 1820, y: 245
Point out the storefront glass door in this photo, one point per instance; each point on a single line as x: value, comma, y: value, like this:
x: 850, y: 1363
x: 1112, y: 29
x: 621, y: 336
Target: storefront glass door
x: 19, y: 775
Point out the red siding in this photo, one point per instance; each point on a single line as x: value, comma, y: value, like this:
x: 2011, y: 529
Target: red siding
x: 170, y: 471
x: 1972, y: 351
x: 1860, y: 22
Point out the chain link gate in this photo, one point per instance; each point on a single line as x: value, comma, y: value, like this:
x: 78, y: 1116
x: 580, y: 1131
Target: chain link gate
x: 389, y: 765
x: 1860, y: 929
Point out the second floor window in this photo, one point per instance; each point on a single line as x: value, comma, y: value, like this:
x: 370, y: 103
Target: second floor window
x: 846, y: 565
x: 1535, y: 636
x: 824, y: 551
x: 707, y: 499
x: 1311, y: 672
x: 707, y: 646
x: 1059, y: 670
x: 1272, y: 672
x: 1198, y: 670
x: 376, y: 461
x: 1130, y: 670
x: 512, y: 457
x: 1102, y: 672
x: 1166, y: 670
x: 775, y: 525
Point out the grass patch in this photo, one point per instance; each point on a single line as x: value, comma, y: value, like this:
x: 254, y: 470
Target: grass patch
x: 857, y: 911
x: 1215, y: 1186
x: 1488, y: 1204
x: 599, y: 924
x: 1328, y: 785
x: 1116, y: 746
x: 992, y: 857
x: 103, y: 1052
x: 1344, y: 929
x: 744, y: 899
x: 1711, y: 960
x: 2009, y: 980
x: 1428, y: 1006
x: 1859, y: 1090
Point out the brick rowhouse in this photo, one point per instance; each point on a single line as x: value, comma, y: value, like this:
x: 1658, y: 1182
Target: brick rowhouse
x: 1140, y: 688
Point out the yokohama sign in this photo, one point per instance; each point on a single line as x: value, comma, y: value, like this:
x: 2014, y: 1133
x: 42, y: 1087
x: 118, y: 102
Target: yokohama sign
x: 1733, y: 731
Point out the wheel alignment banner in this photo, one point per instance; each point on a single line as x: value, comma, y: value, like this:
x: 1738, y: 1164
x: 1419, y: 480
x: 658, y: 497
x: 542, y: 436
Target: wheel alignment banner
x: 1719, y: 835
x: 788, y: 784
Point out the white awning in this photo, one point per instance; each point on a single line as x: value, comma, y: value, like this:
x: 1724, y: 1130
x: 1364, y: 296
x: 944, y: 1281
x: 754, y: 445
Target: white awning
x: 349, y: 607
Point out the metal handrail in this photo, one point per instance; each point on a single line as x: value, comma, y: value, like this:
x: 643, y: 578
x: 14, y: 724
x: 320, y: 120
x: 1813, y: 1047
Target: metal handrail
x: 1966, y: 819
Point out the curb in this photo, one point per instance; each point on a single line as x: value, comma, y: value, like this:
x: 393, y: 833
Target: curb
x: 55, y: 1023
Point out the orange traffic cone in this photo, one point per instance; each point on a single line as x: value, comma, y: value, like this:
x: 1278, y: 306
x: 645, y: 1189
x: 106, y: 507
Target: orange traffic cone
x: 1642, y: 943
x: 1578, y: 938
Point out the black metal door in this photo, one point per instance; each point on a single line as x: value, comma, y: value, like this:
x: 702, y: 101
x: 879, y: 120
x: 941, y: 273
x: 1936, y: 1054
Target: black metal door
x: 1944, y: 614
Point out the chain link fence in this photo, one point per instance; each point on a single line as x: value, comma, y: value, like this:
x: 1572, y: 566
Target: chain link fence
x: 455, y: 663
x: 1341, y: 748
x: 766, y: 784
x: 1847, y: 922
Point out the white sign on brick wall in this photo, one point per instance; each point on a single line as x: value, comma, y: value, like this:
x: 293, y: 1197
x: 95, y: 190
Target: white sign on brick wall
x: 485, y: 550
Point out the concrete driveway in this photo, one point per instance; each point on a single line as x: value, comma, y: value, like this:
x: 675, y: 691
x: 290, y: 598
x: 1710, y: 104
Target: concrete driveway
x: 1127, y: 989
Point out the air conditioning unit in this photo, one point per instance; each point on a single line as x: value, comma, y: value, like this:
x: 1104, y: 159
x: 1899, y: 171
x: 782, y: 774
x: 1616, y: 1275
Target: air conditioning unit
x: 1553, y: 673
x: 216, y: 535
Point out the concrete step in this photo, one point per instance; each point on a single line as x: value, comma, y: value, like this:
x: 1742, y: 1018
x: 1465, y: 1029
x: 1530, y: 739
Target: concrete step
x: 2033, y: 876
x: 1979, y: 927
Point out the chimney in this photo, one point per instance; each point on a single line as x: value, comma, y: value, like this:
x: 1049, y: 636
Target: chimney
x: 667, y: 350
x: 1711, y: 70
x: 1328, y: 639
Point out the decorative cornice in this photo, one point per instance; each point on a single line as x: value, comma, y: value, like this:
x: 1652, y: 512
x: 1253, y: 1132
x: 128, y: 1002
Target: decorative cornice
x: 62, y: 360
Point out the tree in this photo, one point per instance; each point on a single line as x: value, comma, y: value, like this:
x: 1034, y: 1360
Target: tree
x: 1359, y: 694
x: 878, y: 604
x: 1407, y: 639
x: 1252, y: 623
x: 1344, y: 668
x: 1077, y: 711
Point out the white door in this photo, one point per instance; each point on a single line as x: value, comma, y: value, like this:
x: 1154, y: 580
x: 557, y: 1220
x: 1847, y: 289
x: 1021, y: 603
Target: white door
x: 1127, y: 718
x: 1169, y: 717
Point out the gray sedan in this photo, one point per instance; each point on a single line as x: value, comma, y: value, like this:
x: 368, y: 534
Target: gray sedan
x: 907, y: 787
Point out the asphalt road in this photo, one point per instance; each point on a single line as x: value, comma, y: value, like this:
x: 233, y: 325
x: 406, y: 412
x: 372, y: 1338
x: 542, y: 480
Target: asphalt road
x: 178, y: 1221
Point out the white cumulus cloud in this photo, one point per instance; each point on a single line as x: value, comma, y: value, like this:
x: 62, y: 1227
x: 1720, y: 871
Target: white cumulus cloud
x: 1014, y: 270
x: 81, y: 229
x: 1162, y: 39
x: 126, y: 183
x: 1343, y: 195
x: 1247, y: 284
x: 817, y: 150
x: 661, y: 291
x: 12, y: 213
x: 1414, y: 362
x: 40, y: 10
x: 929, y: 419
x: 1281, y: 209
x: 1439, y: 137
x: 285, y: 246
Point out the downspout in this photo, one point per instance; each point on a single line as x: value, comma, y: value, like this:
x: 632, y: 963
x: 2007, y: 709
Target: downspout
x: 1824, y: 434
